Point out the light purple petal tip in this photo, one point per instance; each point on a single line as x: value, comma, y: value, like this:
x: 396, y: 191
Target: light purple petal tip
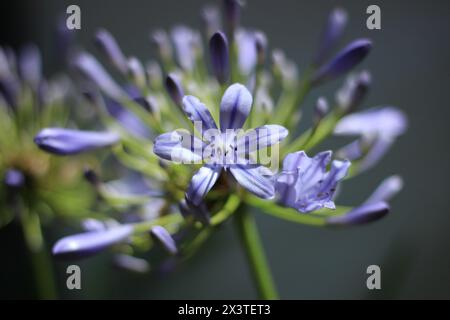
x: 178, y: 146
x: 109, y: 47
x: 387, y: 189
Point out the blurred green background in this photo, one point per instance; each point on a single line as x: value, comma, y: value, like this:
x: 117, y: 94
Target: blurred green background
x: 410, y: 67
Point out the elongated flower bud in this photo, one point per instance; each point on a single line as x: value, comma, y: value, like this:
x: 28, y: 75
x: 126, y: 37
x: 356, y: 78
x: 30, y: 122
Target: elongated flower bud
x: 218, y: 46
x: 173, y: 87
x: 360, y: 215
x: 109, y: 47
x: 165, y: 239
x: 232, y: 15
x: 136, y: 72
x: 62, y: 141
x: 261, y: 47
x: 162, y: 42
x: 211, y: 20
x: 88, y: 243
x: 331, y: 34
x: 320, y: 110
x: 344, y: 61
x: 130, y: 263
x: 353, y: 93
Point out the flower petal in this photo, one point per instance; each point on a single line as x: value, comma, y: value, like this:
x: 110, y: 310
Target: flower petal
x: 202, y: 182
x: 165, y: 239
x: 68, y: 141
x: 218, y: 48
x: 109, y: 47
x: 83, y: 244
x: 360, y: 215
x: 178, y: 146
x: 260, y: 138
x: 252, y: 179
x: 235, y: 107
x: 197, y: 111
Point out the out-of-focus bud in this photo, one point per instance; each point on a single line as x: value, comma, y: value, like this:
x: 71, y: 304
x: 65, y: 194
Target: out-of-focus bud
x: 353, y: 93
x: 154, y: 74
x: 174, y: 89
x: 14, y: 178
x: 162, y: 43
x: 261, y: 47
x: 331, y: 34
x: 344, y: 61
x: 320, y: 110
x: 218, y: 46
x: 109, y: 47
x: 211, y: 20
x: 165, y: 239
x: 387, y: 189
x: 30, y: 66
x: 136, y: 72
x: 232, y: 10
x: 284, y: 68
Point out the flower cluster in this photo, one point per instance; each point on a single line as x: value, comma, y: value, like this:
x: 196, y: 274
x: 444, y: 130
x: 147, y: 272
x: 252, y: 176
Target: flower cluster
x: 192, y: 129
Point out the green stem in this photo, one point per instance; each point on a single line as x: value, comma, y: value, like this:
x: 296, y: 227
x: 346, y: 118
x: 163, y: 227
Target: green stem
x: 255, y: 253
x: 42, y: 267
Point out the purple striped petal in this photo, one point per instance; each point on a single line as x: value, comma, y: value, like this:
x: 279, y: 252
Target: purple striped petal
x: 178, y: 146
x: 109, y: 47
x: 252, y: 178
x: 360, y: 215
x: 202, y: 182
x: 163, y: 236
x: 218, y: 48
x: 88, y: 243
x: 344, y: 61
x: 331, y: 34
x: 260, y: 138
x: 235, y: 107
x: 62, y: 141
x: 197, y: 111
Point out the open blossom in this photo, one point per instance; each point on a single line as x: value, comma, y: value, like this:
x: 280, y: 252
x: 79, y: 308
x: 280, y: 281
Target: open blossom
x: 222, y: 149
x: 305, y: 185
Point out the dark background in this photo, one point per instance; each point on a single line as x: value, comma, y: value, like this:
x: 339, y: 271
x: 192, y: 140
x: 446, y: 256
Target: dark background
x: 410, y: 68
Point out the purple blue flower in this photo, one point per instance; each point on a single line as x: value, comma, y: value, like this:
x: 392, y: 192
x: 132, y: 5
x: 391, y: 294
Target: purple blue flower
x: 305, y: 185
x: 224, y: 148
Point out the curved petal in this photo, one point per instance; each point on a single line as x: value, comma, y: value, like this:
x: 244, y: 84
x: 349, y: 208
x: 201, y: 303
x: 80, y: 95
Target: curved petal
x: 197, y: 111
x: 260, y: 138
x: 178, y: 146
x: 202, y: 181
x: 362, y: 214
x: 251, y: 178
x: 83, y: 244
x: 235, y: 107
x: 387, y: 189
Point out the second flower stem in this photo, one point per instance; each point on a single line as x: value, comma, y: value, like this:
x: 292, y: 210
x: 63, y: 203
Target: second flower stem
x: 255, y: 253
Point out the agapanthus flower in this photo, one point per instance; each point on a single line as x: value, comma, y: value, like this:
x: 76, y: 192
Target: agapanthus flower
x: 304, y: 183
x: 223, y: 149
